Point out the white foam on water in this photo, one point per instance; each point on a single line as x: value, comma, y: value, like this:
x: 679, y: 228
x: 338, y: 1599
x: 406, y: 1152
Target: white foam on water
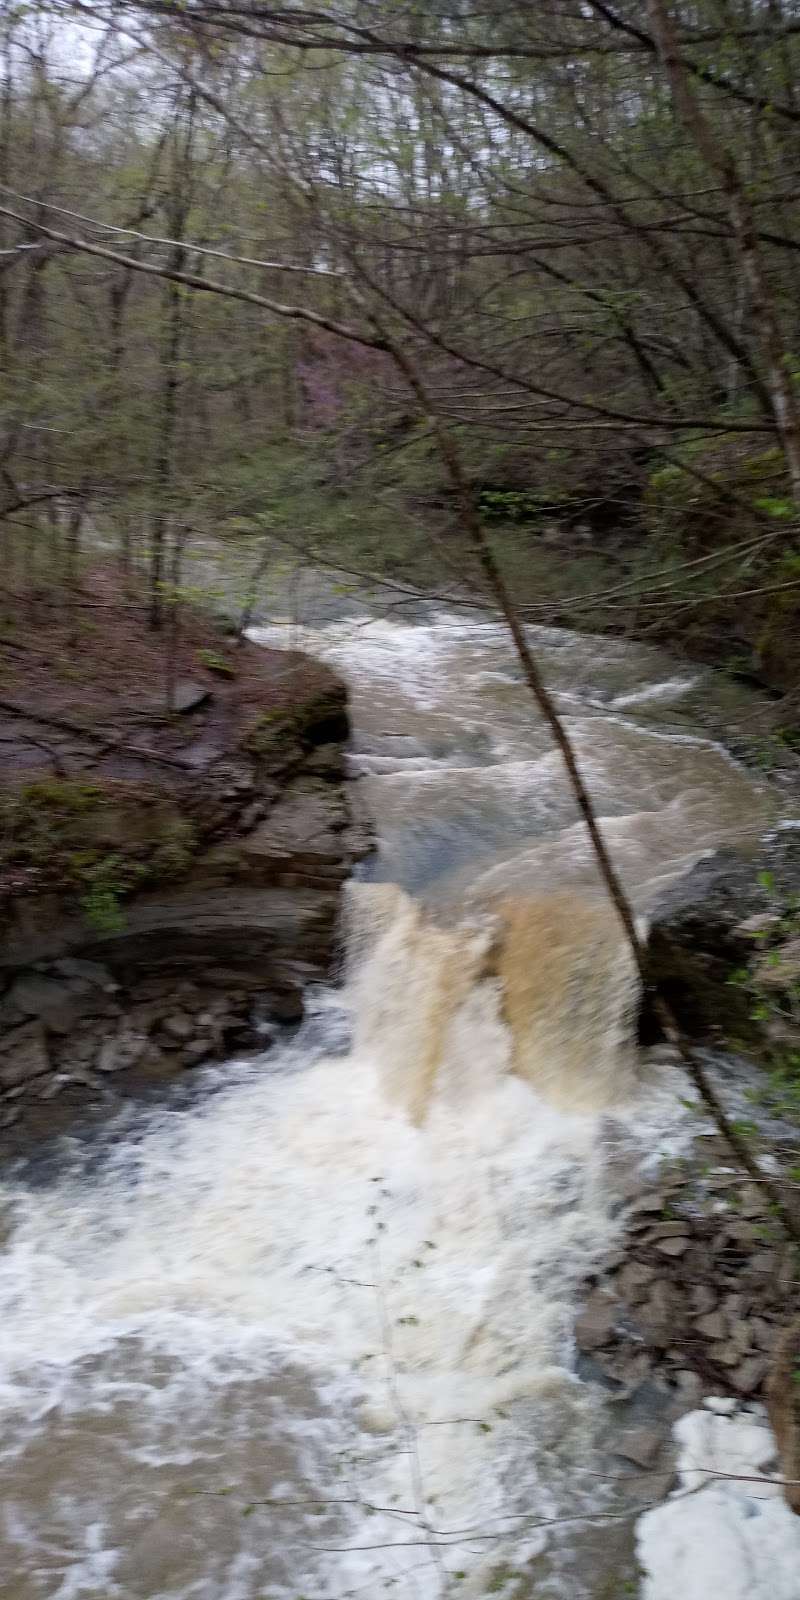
x: 406, y: 1260
x: 722, y: 1536
x: 670, y: 689
x: 376, y: 650
x: 341, y: 1290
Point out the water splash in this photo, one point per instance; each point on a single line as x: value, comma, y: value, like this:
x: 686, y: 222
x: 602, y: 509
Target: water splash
x: 555, y: 969
x: 342, y: 1287
x: 569, y: 991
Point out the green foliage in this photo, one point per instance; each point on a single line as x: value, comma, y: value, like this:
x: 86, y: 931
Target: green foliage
x: 56, y: 835
x: 66, y: 795
x: 781, y: 510
x: 107, y: 882
x: 278, y: 734
x: 518, y: 505
x: 775, y: 1007
x: 500, y: 1577
x: 173, y: 855
x: 221, y: 665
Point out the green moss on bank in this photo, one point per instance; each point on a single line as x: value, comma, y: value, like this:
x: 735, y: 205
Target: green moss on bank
x: 152, y: 752
x: 280, y: 734
x: 93, y: 842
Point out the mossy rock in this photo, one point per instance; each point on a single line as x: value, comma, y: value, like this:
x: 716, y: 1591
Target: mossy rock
x: 94, y: 843
x: 277, y: 735
x: 697, y: 943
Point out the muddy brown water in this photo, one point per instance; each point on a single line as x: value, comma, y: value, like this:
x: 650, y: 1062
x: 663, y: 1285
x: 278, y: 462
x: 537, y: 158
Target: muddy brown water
x: 310, y: 1334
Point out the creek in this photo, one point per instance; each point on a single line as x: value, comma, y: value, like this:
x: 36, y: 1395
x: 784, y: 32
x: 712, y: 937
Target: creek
x: 312, y: 1335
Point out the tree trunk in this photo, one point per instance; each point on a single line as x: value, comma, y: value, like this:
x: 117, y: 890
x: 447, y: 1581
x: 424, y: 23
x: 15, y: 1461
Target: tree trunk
x: 172, y: 328
x: 723, y: 165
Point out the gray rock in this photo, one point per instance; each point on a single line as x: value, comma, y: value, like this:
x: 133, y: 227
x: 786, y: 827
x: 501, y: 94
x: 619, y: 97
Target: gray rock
x: 595, y: 1324
x: 52, y: 1086
x: 212, y: 1015
x: 304, y: 827
x: 751, y: 1374
x: 57, y: 1004
x: 781, y: 968
x: 663, y: 1314
x: 702, y: 1299
x: 765, y: 1334
x: 86, y: 1079
x: 328, y: 762
x: 726, y: 1355
x: 251, y: 815
x: 121, y: 1052
x: 246, y: 1036
x: 194, y: 1052
x: 668, y: 1230
x: 90, y: 971
x: 672, y: 1247
x: 690, y: 1387
x: 642, y: 1446
x: 669, y: 1299
x: 79, y: 1050
x: 647, y: 1206
x: 712, y: 1326
x: 288, y: 1007
x: 634, y: 1280
x: 740, y: 1231
x: 751, y: 1203
x: 742, y: 1335
x: 189, y: 696
x: 23, y: 1056
x: 697, y: 938
x: 627, y: 1365
x: 787, y: 1270
x: 761, y: 922
x: 176, y: 1029
x: 762, y: 1264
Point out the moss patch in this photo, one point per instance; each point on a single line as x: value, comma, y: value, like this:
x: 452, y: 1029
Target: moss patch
x: 95, y: 842
x: 276, y: 733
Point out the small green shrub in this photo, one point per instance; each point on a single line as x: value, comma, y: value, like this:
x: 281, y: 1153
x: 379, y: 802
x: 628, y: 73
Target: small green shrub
x: 62, y: 794
x: 173, y: 856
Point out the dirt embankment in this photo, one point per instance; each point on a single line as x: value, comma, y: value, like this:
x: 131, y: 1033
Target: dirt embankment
x: 175, y: 829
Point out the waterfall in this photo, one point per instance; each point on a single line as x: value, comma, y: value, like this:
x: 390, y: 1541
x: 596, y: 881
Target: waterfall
x: 337, y: 1292
x: 555, y: 969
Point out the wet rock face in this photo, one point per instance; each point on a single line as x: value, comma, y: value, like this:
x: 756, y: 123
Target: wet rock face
x: 198, y: 971
x: 704, y: 928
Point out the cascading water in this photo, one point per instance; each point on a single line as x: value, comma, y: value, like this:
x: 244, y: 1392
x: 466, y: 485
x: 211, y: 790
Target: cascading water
x: 312, y: 1337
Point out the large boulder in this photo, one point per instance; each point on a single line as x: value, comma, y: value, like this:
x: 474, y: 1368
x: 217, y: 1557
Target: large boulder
x: 706, y: 928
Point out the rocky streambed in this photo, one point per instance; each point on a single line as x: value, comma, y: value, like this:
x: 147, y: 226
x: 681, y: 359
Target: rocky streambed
x: 701, y: 1295
x: 700, y: 1289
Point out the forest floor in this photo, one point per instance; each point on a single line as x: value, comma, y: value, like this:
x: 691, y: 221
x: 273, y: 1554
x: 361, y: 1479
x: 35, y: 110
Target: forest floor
x: 115, y: 741
x: 87, y: 689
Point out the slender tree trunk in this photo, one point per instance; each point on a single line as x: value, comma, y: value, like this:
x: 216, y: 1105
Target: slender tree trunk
x: 174, y: 616
x: 7, y: 178
x: 72, y: 552
x: 723, y: 165
x: 498, y: 589
x: 253, y: 590
x: 172, y: 329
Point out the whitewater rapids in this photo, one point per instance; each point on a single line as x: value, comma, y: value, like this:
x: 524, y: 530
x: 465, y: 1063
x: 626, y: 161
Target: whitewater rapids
x: 312, y: 1336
